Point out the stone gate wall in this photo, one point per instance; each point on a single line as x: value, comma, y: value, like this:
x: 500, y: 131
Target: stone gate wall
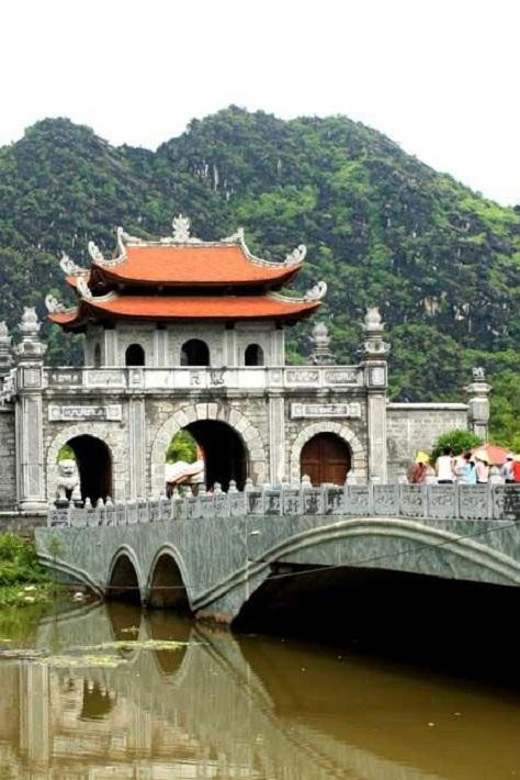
x: 414, y: 426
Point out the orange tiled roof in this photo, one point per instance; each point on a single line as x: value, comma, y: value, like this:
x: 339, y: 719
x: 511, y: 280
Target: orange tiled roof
x: 186, y: 307
x: 200, y: 265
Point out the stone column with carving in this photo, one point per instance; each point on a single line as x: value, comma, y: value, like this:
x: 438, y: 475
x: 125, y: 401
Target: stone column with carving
x: 30, y: 469
x: 478, y: 403
x: 375, y: 351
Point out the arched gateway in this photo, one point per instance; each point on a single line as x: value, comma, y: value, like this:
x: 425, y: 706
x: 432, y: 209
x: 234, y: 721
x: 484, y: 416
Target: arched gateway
x: 185, y: 333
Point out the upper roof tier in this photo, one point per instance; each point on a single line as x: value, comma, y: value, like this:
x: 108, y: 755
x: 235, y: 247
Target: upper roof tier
x: 183, y: 261
x: 179, y: 278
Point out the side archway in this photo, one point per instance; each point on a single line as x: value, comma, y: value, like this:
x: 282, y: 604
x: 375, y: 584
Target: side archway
x: 106, y: 433
x: 191, y: 413
x: 358, y: 463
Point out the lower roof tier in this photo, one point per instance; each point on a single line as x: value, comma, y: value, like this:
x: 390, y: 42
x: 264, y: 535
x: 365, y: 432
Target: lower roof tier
x: 171, y: 308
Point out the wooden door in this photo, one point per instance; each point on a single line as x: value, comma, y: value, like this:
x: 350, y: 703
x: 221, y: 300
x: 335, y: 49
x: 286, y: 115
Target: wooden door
x: 325, y: 458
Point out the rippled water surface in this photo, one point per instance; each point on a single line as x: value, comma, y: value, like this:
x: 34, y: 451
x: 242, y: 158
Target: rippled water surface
x: 104, y: 693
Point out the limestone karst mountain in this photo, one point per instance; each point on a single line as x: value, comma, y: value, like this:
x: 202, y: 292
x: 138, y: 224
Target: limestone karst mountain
x: 381, y: 228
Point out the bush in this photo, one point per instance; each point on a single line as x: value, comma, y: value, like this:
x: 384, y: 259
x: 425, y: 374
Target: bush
x: 18, y: 561
x: 457, y: 440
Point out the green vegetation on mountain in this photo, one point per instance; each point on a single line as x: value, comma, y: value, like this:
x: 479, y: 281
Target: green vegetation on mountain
x: 441, y: 262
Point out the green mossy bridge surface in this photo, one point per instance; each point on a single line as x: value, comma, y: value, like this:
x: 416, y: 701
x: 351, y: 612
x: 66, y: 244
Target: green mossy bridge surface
x: 210, y: 553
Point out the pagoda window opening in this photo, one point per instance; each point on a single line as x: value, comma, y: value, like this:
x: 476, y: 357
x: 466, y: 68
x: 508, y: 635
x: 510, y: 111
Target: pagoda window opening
x: 195, y: 352
x: 134, y: 355
x: 254, y: 355
x: 97, y: 356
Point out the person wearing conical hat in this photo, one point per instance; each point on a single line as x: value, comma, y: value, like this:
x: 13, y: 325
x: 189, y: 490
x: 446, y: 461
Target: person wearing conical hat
x: 482, y: 467
x: 418, y: 469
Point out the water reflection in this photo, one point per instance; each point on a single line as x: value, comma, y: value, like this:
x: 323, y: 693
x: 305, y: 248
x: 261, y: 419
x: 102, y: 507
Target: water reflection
x: 219, y: 707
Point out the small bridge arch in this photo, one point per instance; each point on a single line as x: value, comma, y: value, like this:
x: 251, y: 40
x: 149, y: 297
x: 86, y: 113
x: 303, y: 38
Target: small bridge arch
x: 166, y: 586
x: 124, y: 581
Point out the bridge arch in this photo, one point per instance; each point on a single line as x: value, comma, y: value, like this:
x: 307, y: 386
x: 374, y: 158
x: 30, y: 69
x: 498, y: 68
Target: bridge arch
x: 191, y: 413
x: 339, y: 429
x: 108, y: 434
x: 125, y: 581
x: 166, y: 586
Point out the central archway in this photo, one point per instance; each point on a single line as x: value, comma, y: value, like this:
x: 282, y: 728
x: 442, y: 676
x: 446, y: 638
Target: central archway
x: 94, y: 466
x: 224, y: 452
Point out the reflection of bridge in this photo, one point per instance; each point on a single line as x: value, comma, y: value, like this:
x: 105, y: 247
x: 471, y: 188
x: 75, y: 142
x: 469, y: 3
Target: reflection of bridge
x: 225, y: 708
x: 211, y: 716
x: 211, y: 552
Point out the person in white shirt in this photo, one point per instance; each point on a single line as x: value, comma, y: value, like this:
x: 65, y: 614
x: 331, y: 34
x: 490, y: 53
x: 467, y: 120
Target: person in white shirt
x: 444, y: 467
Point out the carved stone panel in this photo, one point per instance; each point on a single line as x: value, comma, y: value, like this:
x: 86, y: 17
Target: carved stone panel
x: 475, y: 502
x: 386, y: 499
x: 358, y: 500
x: 442, y: 501
x: 69, y: 413
x: 62, y: 378
x: 413, y: 500
x: 325, y: 410
x: 343, y: 376
x: 302, y: 376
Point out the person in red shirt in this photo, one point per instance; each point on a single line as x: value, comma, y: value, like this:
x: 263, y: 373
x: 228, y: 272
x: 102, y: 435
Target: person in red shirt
x: 516, y: 468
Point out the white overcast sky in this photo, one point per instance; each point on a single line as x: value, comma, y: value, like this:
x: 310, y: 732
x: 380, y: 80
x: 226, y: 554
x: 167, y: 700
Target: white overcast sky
x: 440, y: 77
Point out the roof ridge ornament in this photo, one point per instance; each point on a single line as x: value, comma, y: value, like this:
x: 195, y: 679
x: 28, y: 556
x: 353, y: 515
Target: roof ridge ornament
x: 238, y: 237
x: 315, y: 293
x: 296, y: 256
x: 53, y: 305
x: 95, y: 253
x: 70, y: 268
x: 83, y: 289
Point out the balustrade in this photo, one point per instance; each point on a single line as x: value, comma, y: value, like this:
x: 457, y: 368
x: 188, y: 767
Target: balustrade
x: 423, y: 502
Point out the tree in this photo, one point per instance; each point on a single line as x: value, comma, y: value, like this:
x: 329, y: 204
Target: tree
x: 457, y: 441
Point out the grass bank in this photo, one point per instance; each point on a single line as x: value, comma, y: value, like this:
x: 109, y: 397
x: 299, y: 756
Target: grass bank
x: 23, y: 582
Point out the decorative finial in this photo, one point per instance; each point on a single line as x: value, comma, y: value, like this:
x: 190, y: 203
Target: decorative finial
x: 321, y: 354
x: 478, y: 373
x: 29, y: 324
x: 373, y: 319
x: 181, y: 229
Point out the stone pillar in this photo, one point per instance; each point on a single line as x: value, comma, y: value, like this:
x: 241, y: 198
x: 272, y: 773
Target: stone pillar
x: 478, y: 403
x: 276, y: 438
x: 111, y: 357
x: 375, y: 351
x: 30, y: 469
x: 137, y: 448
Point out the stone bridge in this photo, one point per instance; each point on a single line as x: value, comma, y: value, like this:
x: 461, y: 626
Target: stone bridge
x: 208, y: 553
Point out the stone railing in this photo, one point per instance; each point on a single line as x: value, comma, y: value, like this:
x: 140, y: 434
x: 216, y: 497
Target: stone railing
x: 431, y: 502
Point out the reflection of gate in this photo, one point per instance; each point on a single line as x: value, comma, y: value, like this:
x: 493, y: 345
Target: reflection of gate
x: 325, y: 458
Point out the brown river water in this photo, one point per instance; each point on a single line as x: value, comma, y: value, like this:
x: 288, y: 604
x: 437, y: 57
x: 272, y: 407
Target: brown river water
x: 100, y: 692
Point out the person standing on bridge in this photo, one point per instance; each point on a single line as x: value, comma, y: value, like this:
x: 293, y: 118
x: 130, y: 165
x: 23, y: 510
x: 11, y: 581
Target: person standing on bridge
x: 444, y: 467
x: 418, y: 469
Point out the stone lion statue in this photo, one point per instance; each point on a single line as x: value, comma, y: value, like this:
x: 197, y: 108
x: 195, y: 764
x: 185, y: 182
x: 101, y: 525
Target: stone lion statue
x: 68, y: 486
